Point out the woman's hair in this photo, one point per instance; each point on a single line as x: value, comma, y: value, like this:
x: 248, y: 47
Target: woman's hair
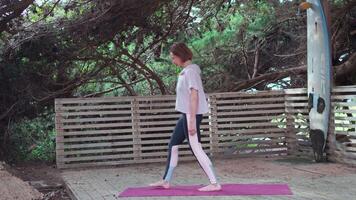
x: 182, y: 51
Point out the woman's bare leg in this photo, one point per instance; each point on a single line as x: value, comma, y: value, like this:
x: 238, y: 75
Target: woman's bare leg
x: 204, y: 161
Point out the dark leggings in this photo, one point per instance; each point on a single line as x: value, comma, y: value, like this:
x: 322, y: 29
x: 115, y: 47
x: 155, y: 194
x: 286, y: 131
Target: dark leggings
x: 180, y: 133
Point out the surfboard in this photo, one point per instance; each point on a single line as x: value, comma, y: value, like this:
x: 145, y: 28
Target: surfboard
x: 319, y: 76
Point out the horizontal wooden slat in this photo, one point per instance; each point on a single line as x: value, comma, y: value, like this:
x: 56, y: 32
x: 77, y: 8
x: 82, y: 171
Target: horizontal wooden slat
x: 96, y: 107
x: 156, y: 104
x: 250, y: 125
x: 96, y: 138
x: 99, y: 157
x: 98, y: 144
x: 345, y: 125
x: 250, y: 101
x: 91, y: 151
x: 100, y: 119
x: 94, y: 100
x: 244, y: 137
x: 155, y: 135
x: 156, y: 98
x: 335, y: 97
x: 165, y: 116
x: 160, y: 141
x: 164, y: 147
x: 255, y: 118
x: 344, y: 111
x: 114, y: 99
x: 296, y: 91
x: 344, y: 89
x: 258, y: 112
x: 353, y: 104
x: 170, y: 110
x: 157, y: 129
x: 118, y: 112
x: 270, y: 130
x: 95, y: 132
x: 288, y: 104
x: 269, y: 147
x: 244, y: 107
x: 259, y: 142
x: 103, y: 125
x: 296, y: 98
x: 349, y: 119
x: 160, y: 123
x: 245, y: 94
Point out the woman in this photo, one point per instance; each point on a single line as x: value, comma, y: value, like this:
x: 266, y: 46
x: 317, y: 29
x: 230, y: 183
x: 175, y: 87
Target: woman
x: 191, y: 102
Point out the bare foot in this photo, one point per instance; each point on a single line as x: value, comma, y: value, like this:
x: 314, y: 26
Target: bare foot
x: 210, y: 188
x: 161, y: 183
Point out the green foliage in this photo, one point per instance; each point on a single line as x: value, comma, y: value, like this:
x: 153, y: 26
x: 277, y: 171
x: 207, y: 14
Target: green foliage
x: 33, y: 139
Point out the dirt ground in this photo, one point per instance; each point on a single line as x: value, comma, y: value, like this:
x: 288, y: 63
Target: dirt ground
x: 37, y: 181
x: 12, y: 187
x: 307, y: 179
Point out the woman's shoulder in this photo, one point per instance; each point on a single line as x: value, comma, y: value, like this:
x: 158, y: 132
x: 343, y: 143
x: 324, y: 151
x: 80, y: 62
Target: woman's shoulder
x: 194, y: 65
x: 194, y: 68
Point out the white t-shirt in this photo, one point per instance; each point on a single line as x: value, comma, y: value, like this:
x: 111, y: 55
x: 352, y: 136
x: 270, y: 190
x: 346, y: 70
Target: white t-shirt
x: 190, y: 78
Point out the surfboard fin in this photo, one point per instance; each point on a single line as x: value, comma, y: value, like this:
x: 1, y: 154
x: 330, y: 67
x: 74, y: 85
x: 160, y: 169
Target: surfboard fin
x: 310, y: 101
x: 321, y: 105
x: 317, y: 139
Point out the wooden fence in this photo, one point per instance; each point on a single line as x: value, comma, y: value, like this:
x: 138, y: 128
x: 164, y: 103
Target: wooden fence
x: 343, y: 125
x: 122, y: 130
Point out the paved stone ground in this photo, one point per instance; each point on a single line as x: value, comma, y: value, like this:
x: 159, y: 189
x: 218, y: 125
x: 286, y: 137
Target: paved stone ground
x: 307, y: 180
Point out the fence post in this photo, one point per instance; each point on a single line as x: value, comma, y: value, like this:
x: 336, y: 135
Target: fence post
x: 213, y: 125
x: 291, y: 138
x: 59, y: 134
x: 136, y: 128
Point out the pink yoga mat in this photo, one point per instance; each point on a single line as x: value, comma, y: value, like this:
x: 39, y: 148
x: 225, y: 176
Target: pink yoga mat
x: 191, y: 190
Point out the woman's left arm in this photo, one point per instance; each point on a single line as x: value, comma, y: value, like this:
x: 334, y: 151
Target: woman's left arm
x: 193, y: 110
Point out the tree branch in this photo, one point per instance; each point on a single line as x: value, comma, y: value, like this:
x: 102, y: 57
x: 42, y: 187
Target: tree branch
x: 340, y: 70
